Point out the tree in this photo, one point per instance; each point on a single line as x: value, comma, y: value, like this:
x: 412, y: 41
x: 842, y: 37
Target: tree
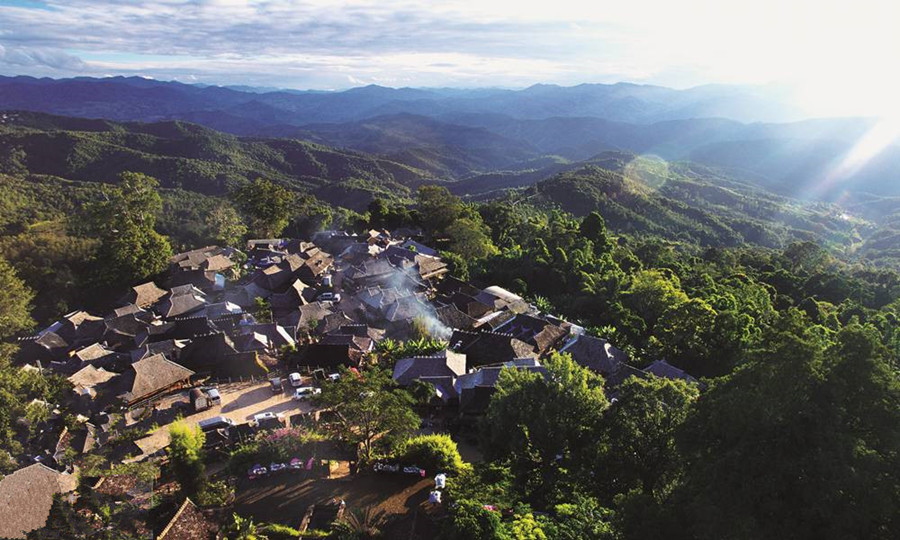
x: 226, y: 226
x: 470, y: 239
x: 242, y: 528
x: 641, y: 427
x: 470, y: 521
x: 186, y: 456
x: 370, y: 407
x: 439, y: 207
x: 542, y: 425
x: 651, y: 293
x: 131, y: 250
x: 593, y: 227
x: 266, y: 205
x: 15, y: 302
x: 802, y: 441
x: 435, y: 453
x: 687, y: 331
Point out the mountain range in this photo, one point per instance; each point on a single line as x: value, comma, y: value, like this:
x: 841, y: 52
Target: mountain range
x: 459, y: 134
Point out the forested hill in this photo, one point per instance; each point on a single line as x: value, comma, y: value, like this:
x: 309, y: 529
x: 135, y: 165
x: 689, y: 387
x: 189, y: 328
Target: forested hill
x: 194, y: 158
x: 693, y: 204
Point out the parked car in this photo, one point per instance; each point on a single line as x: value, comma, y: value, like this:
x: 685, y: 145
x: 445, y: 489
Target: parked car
x: 295, y: 379
x: 327, y: 281
x: 329, y: 297
x: 277, y: 467
x: 296, y: 464
x: 306, y: 391
x: 215, y: 422
x: 262, y: 417
x: 257, y: 471
x: 277, y: 385
x: 334, y: 376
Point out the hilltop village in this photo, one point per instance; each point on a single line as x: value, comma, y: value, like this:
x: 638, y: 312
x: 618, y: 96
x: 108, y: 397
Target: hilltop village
x: 239, y: 341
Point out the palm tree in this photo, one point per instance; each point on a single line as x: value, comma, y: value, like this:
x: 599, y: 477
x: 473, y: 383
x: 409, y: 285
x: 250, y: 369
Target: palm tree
x: 359, y: 524
x: 242, y: 529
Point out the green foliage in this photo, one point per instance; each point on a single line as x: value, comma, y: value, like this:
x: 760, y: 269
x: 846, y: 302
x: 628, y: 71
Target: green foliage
x: 15, y: 300
x: 266, y: 206
x: 542, y: 425
x: 186, y: 456
x: 124, y: 220
x: 469, y: 521
x: 641, y: 428
x: 434, y: 453
x: 359, y: 524
x: 370, y: 409
x: 226, y: 226
x: 242, y: 528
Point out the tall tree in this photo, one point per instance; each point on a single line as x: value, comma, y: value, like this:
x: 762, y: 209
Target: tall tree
x: 803, y: 441
x: 542, y: 424
x: 370, y: 407
x: 15, y: 302
x: 186, y: 456
x: 641, y: 428
x: 266, y: 205
x: 226, y: 226
x: 124, y: 220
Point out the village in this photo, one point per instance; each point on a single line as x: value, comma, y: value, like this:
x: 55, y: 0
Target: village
x: 238, y: 341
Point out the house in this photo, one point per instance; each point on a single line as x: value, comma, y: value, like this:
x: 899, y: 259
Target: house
x: 121, y: 331
x: 26, y: 497
x: 153, y: 376
x: 595, y: 354
x: 44, y: 348
x: 79, y: 327
x: 296, y: 295
x: 170, y: 347
x: 97, y: 355
x: 306, y: 318
x: 371, y: 273
x: 451, y: 317
x: 86, y: 381
x: 484, y: 348
x: 663, y: 369
x: 330, y: 356
x: 316, y: 263
x: 144, y: 295
x: 276, y: 335
x: 476, y: 387
x: 540, y: 333
x: 443, y: 364
x: 189, y: 523
x: 182, y: 300
x: 204, y: 280
x: 412, y: 245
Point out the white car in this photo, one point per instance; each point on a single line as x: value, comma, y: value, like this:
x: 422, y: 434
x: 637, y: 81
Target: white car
x: 265, y: 416
x: 333, y: 377
x: 330, y: 297
x: 306, y: 391
x: 295, y: 379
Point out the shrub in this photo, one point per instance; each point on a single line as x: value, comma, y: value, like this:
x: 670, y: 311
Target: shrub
x: 434, y: 453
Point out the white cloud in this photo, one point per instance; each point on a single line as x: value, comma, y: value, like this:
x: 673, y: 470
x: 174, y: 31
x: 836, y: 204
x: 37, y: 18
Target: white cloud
x: 330, y: 43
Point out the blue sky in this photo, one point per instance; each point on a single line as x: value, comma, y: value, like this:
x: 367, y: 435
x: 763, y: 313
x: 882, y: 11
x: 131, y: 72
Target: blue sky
x: 844, y: 47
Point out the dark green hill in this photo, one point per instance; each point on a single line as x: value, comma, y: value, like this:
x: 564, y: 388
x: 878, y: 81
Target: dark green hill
x: 194, y: 158
x: 690, y: 203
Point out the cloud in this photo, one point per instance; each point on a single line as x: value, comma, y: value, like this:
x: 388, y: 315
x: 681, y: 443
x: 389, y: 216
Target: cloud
x: 332, y: 43
x: 40, y: 58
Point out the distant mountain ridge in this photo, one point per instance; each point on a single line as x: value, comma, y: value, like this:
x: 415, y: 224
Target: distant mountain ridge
x: 457, y: 134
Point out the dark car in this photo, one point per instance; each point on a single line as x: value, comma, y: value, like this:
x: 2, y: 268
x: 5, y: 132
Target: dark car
x: 276, y: 385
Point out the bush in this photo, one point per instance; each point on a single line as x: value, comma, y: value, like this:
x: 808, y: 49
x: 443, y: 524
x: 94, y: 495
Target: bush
x: 434, y: 453
x: 277, y: 531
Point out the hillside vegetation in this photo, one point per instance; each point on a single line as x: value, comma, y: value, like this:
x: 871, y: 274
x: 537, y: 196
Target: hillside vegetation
x: 194, y: 158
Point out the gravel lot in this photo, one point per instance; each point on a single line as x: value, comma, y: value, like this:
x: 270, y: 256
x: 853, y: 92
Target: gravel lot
x: 240, y: 401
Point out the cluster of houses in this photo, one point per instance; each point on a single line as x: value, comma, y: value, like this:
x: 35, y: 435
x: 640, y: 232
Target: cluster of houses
x: 225, y: 313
